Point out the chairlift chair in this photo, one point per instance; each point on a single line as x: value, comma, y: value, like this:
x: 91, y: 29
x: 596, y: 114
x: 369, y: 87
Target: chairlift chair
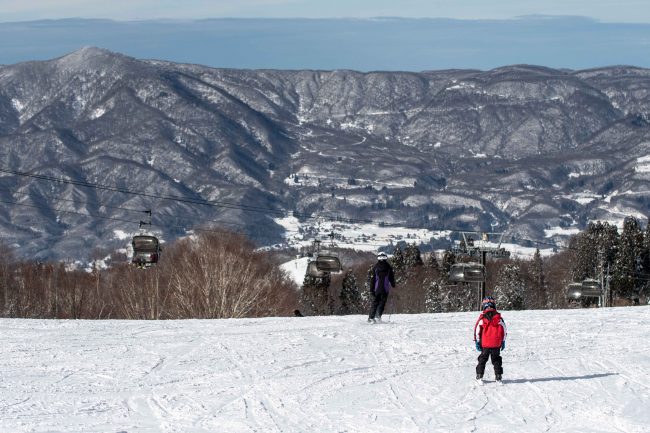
x: 474, y: 273
x: 314, y: 272
x: 456, y: 273
x: 467, y: 272
x: 328, y: 261
x: 574, y: 290
x: 146, y: 250
x: 591, y: 288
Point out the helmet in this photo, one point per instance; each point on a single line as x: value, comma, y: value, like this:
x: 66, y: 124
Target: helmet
x: 488, y: 302
x: 382, y: 256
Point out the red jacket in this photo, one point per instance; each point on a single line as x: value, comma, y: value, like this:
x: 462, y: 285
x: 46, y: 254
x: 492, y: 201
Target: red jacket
x: 490, y: 329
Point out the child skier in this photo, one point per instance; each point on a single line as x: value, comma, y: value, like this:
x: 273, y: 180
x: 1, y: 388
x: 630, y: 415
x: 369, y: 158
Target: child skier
x: 490, y: 338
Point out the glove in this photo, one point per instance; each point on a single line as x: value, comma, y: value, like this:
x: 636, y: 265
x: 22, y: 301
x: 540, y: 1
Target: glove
x: 503, y: 345
x: 478, y: 346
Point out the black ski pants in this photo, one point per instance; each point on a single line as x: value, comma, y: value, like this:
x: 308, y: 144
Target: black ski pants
x: 495, y: 353
x: 378, y: 304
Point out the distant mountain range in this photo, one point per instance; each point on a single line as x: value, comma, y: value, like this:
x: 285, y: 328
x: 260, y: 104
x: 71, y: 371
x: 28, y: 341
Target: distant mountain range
x: 371, y: 44
x: 529, y: 150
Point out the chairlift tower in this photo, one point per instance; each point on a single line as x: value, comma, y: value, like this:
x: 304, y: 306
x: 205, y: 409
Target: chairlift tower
x: 481, y: 247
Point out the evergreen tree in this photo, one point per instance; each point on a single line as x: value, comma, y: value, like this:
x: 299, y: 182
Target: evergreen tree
x: 538, y: 285
x: 451, y: 297
x: 314, y: 296
x: 412, y: 256
x: 594, y: 250
x: 351, y: 302
x: 509, y: 288
x: 432, y: 262
x: 366, y: 294
x: 448, y: 259
x: 628, y: 261
x: 585, y: 253
x: 645, y: 263
x: 398, y: 264
x: 457, y: 297
x: 432, y: 302
x: 594, y: 247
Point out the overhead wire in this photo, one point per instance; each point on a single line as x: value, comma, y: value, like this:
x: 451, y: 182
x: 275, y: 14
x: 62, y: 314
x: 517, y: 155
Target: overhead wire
x: 69, y: 212
x: 228, y: 205
x: 153, y: 224
x: 120, y: 219
x: 122, y: 208
x: 204, y: 202
x: 633, y: 276
x: 76, y: 201
x: 214, y: 203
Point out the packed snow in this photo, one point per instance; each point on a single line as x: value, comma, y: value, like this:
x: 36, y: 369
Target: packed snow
x: 564, y: 371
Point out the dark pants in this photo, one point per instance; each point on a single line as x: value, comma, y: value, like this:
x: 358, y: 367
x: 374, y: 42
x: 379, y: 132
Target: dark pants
x: 378, y: 304
x: 496, y: 360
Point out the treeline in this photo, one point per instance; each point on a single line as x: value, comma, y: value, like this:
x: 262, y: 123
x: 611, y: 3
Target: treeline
x: 224, y: 276
x: 212, y: 276
x: 621, y: 260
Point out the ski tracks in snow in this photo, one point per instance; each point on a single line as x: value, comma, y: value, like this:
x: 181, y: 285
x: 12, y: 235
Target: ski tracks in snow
x: 585, y: 372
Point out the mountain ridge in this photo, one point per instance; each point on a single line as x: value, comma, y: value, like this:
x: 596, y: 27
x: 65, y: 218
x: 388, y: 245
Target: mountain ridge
x: 460, y: 149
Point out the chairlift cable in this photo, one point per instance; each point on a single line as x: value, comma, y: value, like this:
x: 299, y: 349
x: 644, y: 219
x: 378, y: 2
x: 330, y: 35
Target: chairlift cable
x: 204, y: 202
x: 635, y: 277
x: 236, y: 206
x: 154, y: 224
x: 68, y: 212
x: 100, y: 204
x: 121, y: 219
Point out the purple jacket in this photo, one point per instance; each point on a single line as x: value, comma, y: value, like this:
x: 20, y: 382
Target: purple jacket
x: 383, y: 278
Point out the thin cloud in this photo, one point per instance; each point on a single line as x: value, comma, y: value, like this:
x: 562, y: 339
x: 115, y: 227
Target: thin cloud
x: 131, y: 10
x: 629, y: 11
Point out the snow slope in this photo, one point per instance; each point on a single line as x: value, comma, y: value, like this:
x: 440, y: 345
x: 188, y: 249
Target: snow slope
x: 565, y: 371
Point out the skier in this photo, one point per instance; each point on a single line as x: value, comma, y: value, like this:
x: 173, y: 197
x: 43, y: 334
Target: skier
x: 490, y: 338
x: 381, y: 282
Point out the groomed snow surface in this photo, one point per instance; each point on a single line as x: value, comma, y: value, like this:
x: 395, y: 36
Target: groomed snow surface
x: 565, y: 371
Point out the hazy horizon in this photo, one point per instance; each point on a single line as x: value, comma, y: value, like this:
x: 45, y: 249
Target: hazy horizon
x: 622, y: 11
x: 363, y: 44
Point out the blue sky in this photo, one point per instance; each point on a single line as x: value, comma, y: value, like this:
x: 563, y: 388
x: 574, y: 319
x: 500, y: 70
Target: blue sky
x: 621, y: 11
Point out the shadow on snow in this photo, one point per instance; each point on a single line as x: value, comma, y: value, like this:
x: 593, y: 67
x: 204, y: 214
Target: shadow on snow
x: 550, y: 379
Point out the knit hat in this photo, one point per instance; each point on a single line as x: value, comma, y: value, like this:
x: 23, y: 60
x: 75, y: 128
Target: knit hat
x: 488, y: 302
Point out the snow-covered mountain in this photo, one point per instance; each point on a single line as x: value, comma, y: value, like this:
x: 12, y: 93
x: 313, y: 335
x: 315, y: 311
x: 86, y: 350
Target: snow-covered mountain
x: 564, y: 371
x: 532, y: 151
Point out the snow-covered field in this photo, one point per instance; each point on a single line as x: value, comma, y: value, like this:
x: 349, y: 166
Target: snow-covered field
x: 362, y: 236
x: 372, y: 237
x: 565, y: 371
